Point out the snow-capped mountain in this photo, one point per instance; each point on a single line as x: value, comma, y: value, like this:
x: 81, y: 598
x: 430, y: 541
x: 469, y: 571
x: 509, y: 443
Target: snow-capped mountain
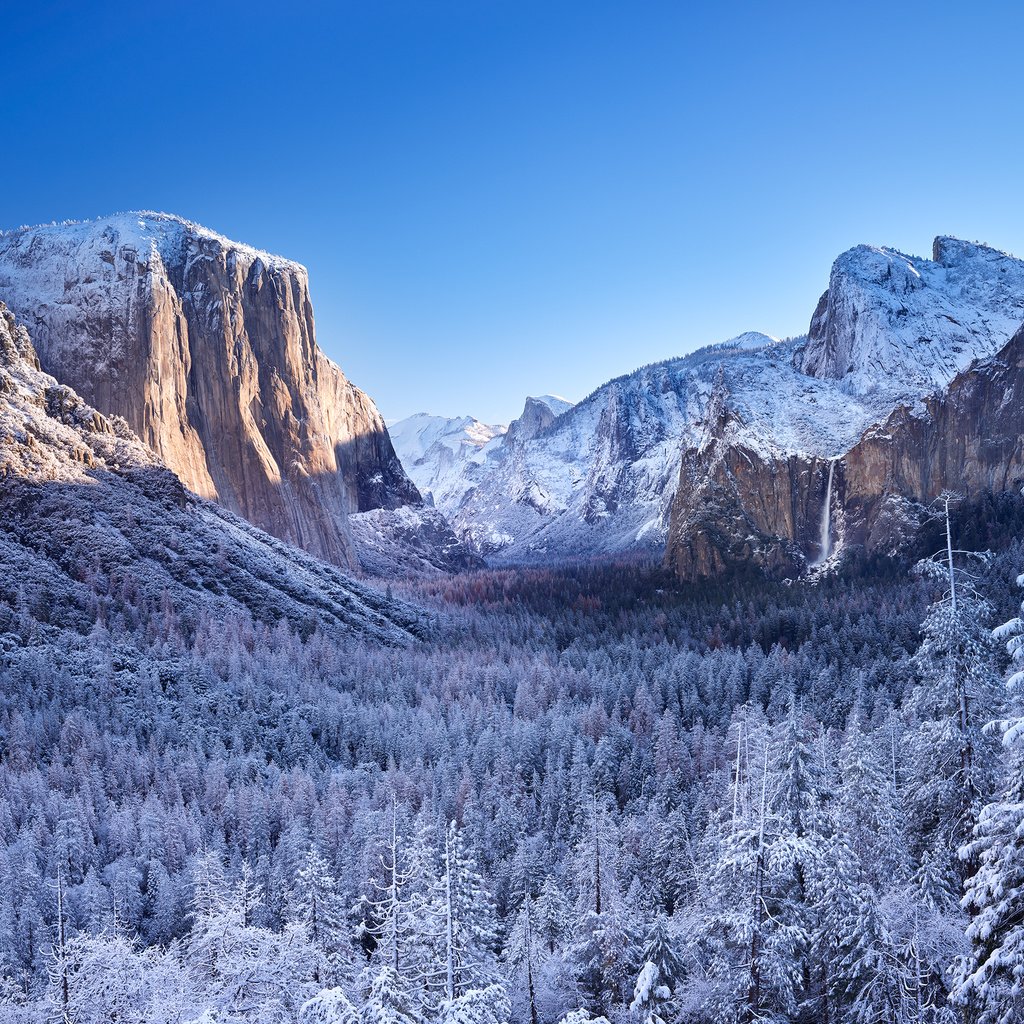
x: 446, y: 457
x: 601, y: 476
x: 442, y: 455
x: 207, y: 347
x: 920, y: 395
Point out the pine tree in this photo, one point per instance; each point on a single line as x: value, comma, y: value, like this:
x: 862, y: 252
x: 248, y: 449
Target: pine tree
x: 329, y: 1006
x: 316, y: 907
x: 954, y: 761
x: 106, y: 980
x: 991, y: 976
x: 487, y: 1005
x: 392, y: 909
x: 523, y: 957
x: 654, y: 995
x: 603, y: 933
x: 468, y: 919
x: 553, y: 917
x: 388, y: 1002
x: 762, y: 895
x: 59, y: 966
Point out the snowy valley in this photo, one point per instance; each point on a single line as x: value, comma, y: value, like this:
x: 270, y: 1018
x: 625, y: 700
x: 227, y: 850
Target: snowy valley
x: 656, y: 708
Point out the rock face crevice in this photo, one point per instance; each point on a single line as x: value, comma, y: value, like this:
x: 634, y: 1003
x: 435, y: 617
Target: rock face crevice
x: 208, y: 350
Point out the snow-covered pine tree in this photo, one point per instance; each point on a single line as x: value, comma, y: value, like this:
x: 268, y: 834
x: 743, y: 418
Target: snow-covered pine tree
x: 603, y: 941
x: 388, y: 1001
x: 245, y: 969
x: 795, y: 859
x: 654, y: 994
x: 523, y: 956
x: 865, y: 859
x: 756, y: 934
x: 106, y: 979
x: 487, y: 1005
x: 392, y: 910
x: 954, y: 761
x: 991, y: 976
x: 329, y: 1006
x: 316, y: 907
x: 553, y: 916
x: 468, y: 919
x: 59, y: 965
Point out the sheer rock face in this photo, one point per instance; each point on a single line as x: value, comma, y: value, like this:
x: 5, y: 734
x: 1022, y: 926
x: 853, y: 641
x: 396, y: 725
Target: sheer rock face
x: 88, y: 514
x: 738, y: 507
x: 207, y: 348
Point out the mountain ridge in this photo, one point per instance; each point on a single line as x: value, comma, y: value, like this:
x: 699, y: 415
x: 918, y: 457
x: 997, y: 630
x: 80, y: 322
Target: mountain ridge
x: 603, y: 477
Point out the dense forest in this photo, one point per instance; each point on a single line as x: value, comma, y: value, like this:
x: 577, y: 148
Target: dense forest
x: 592, y: 792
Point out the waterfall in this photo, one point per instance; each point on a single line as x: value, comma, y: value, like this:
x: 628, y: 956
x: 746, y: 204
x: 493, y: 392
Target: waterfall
x: 825, y: 541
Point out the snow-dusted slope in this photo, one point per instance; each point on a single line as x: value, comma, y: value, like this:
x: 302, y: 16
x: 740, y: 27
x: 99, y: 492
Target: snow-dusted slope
x: 90, y: 518
x: 443, y: 455
x: 905, y: 325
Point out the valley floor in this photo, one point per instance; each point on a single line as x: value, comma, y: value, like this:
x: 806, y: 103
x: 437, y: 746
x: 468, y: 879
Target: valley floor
x: 591, y: 792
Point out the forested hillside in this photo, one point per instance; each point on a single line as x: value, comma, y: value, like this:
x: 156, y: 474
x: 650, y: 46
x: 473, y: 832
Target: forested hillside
x: 592, y: 792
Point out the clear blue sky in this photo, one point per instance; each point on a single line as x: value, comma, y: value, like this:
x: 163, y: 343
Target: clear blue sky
x: 497, y: 199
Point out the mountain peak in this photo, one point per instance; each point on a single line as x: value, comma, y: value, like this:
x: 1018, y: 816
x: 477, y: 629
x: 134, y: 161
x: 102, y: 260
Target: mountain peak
x: 907, y: 325
x: 948, y: 250
x: 538, y: 414
x: 145, y: 230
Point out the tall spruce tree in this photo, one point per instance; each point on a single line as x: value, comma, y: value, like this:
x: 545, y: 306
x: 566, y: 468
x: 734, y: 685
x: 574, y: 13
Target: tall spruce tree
x: 991, y: 976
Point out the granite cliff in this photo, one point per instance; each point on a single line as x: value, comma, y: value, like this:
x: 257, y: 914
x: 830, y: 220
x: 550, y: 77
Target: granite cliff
x: 92, y: 525
x: 207, y: 348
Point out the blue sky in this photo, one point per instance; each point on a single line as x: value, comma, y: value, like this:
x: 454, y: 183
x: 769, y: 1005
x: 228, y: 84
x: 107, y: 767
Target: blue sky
x: 497, y: 199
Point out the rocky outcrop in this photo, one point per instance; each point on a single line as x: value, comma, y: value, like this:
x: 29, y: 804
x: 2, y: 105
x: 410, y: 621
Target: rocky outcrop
x: 91, y: 522
x: 738, y: 508
x: 904, y: 325
x: 207, y: 349
x: 911, y: 402
x: 538, y: 414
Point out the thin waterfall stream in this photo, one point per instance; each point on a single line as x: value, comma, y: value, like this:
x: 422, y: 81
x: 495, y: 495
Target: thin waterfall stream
x: 825, y: 541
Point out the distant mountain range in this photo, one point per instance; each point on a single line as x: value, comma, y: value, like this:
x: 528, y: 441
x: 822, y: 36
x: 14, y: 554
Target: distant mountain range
x: 776, y: 453
x: 666, y: 455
